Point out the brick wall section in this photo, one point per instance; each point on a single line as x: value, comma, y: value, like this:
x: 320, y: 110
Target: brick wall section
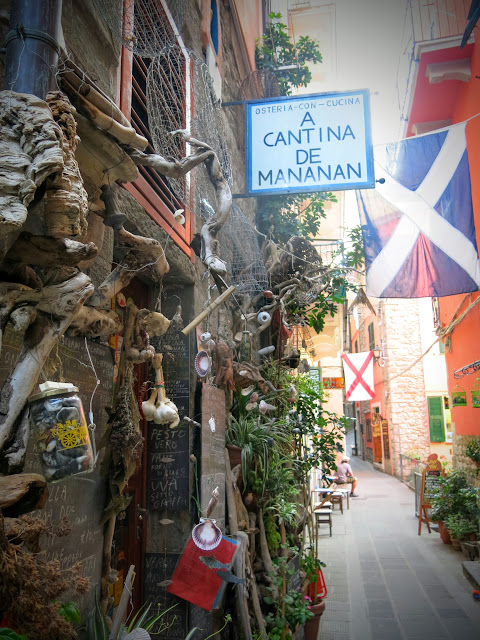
x: 406, y: 402
x: 460, y: 460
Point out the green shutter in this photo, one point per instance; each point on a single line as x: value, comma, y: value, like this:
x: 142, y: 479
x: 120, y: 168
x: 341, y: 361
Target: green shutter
x: 371, y: 337
x: 435, y: 418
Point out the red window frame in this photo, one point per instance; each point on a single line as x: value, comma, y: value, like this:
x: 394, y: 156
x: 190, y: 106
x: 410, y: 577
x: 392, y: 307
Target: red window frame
x: 150, y: 189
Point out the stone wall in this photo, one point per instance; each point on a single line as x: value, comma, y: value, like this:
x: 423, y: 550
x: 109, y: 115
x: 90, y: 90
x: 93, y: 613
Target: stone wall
x: 406, y: 402
x: 461, y: 461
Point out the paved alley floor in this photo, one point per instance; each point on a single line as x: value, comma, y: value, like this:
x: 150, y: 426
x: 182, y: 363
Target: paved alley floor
x: 384, y: 581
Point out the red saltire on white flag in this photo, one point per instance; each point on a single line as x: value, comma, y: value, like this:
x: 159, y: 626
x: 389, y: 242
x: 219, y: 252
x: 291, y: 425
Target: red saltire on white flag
x: 358, y: 371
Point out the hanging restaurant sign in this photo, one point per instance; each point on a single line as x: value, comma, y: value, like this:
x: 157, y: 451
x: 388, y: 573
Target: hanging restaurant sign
x: 333, y: 383
x: 318, y: 142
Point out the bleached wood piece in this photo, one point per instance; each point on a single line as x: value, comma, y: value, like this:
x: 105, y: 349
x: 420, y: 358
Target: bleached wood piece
x: 121, y: 610
x: 203, y: 153
x: 93, y: 323
x: 89, y: 90
x: 121, y: 133
x: 17, y: 450
x: 231, y: 505
x: 30, y: 151
x: 66, y: 203
x: 241, y: 597
x: 211, y: 307
x: 45, y: 251
x: 21, y: 493
x: 69, y: 297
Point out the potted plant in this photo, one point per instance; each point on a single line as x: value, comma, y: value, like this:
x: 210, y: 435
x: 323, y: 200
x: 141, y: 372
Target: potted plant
x: 315, y: 591
x: 455, y: 496
x: 460, y: 528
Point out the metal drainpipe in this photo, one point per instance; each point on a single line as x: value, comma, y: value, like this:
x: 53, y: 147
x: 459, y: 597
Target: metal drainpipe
x: 32, y: 46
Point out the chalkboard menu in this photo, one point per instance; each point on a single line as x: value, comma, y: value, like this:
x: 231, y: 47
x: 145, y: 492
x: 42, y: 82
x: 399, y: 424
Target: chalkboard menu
x: 168, y: 449
x: 159, y: 568
x: 168, y: 468
x: 430, y: 486
x: 80, y: 498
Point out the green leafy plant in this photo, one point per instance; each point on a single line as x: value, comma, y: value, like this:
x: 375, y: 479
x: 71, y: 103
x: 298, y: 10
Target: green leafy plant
x: 460, y: 527
x: 70, y: 612
x: 275, y: 50
x: 472, y: 450
x: 455, y: 496
x: 281, y: 217
x: 144, y: 620
x: 290, y: 608
x: 258, y: 441
x: 311, y: 566
x: 319, y: 433
x: 8, y: 634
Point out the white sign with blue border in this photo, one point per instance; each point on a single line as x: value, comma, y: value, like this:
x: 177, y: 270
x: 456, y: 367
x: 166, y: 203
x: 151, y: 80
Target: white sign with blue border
x: 318, y: 142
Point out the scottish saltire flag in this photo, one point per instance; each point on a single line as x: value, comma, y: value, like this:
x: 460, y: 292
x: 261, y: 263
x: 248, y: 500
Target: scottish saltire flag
x: 418, y: 228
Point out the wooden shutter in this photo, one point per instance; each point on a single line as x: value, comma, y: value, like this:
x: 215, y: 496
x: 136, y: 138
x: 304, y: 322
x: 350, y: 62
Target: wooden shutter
x: 371, y: 337
x: 435, y: 418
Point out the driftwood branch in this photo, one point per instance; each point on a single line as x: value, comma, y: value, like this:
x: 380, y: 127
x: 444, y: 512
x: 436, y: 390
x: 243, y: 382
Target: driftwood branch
x: 241, y: 597
x: 22, y: 493
x: 145, y: 253
x: 66, y: 201
x: 30, y: 151
x: 16, y: 452
x: 68, y: 298
x: 45, y: 251
x: 176, y: 169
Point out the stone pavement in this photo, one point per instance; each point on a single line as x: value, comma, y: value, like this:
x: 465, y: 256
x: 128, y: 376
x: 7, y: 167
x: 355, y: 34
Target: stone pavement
x: 384, y: 581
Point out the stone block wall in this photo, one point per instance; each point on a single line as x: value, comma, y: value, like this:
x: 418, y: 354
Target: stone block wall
x: 461, y: 461
x: 406, y: 401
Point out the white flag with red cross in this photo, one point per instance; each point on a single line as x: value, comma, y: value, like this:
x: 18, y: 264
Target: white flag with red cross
x: 358, y: 371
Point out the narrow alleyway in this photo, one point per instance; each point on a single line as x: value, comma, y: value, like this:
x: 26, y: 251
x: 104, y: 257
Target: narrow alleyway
x: 385, y: 582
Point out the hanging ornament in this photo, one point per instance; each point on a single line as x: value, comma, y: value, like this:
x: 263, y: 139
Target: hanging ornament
x: 59, y: 424
x: 475, y: 394
x: 202, y: 363
x: 263, y: 317
x: 245, y: 347
x: 459, y: 396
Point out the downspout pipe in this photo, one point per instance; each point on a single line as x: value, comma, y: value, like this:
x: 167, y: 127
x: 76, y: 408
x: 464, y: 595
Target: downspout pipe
x: 32, y: 46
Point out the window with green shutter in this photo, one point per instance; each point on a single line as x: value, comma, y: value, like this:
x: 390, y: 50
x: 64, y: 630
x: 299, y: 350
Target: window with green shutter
x: 371, y: 337
x: 435, y: 418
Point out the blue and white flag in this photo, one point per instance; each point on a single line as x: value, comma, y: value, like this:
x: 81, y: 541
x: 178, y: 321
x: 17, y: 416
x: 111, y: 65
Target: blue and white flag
x: 418, y: 228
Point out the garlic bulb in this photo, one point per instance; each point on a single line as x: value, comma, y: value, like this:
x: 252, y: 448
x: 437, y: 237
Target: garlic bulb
x: 148, y: 406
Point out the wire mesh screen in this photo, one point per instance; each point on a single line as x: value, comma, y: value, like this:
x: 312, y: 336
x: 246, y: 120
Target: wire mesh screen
x: 239, y: 248
x: 208, y: 125
x: 142, y: 26
x: 261, y: 83
x: 165, y: 93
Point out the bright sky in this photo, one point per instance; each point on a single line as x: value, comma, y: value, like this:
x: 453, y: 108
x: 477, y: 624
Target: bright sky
x: 362, y: 43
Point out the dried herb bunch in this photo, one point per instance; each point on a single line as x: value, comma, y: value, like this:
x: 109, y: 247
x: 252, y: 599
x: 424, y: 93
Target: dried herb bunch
x: 31, y: 585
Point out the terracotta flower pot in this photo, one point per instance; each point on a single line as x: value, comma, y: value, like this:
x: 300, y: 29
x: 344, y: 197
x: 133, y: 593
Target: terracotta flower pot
x: 311, y: 626
x: 444, y: 533
x: 235, y: 455
x: 456, y: 544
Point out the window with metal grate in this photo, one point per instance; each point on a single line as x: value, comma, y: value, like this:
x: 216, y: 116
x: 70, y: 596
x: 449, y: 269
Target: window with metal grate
x: 155, y: 96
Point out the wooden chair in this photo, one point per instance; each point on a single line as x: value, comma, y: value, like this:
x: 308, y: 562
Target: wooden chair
x: 322, y: 515
x: 337, y: 498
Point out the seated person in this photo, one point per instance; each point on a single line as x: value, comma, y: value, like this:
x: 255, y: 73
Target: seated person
x: 344, y: 475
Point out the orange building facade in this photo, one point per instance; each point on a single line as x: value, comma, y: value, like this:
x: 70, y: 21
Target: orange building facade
x: 447, y: 91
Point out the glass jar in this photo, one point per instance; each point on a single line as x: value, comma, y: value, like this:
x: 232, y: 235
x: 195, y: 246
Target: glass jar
x: 245, y: 347
x: 61, y: 433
